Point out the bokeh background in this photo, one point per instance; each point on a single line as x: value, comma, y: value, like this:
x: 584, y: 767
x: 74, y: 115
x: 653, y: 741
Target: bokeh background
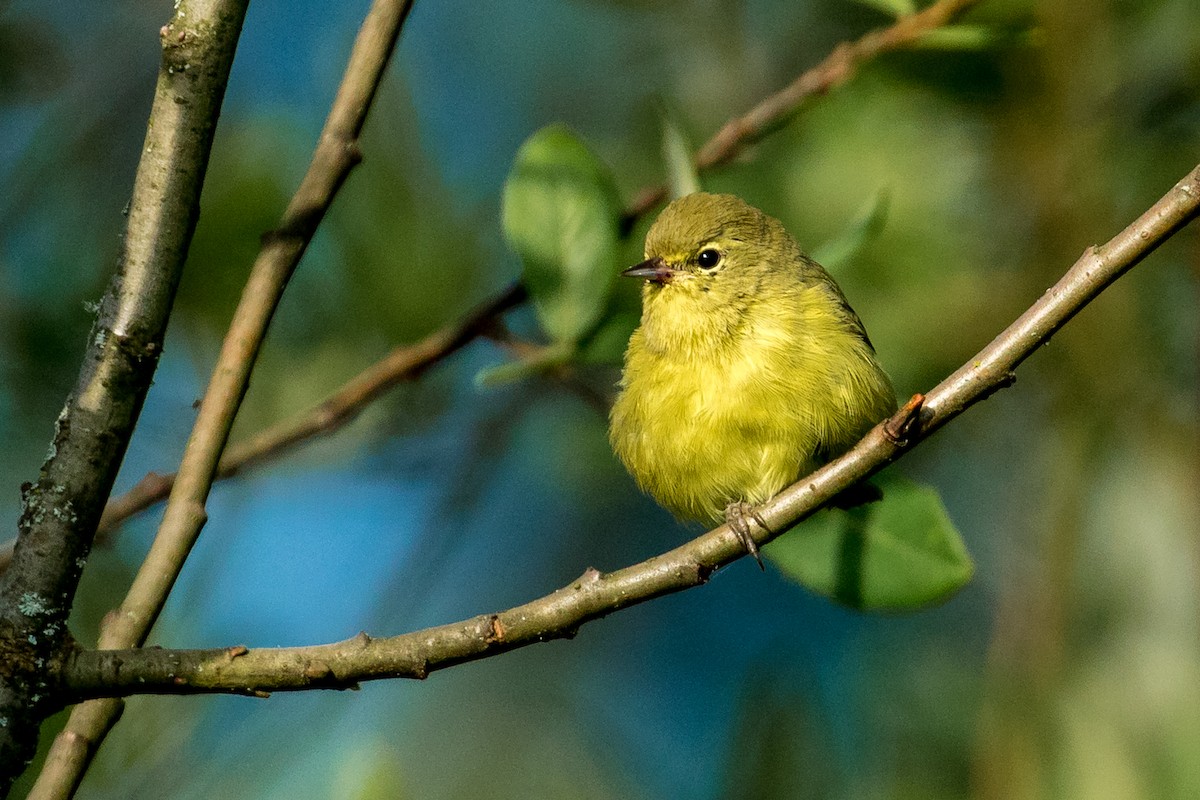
x: 1069, y: 667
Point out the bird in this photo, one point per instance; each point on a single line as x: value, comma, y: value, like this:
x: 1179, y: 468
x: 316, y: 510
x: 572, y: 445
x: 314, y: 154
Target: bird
x: 747, y: 371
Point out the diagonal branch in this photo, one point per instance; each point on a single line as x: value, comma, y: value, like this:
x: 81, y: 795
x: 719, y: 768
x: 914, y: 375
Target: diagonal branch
x: 407, y: 362
x: 334, y: 157
x: 773, y: 112
x: 61, y: 511
x: 404, y: 363
x: 240, y: 670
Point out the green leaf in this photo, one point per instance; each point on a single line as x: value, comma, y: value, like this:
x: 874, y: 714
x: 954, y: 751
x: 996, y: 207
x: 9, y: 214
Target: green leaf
x: 513, y: 371
x: 893, y: 8
x: 682, y: 178
x: 961, y: 37
x: 897, y: 554
x: 606, y: 345
x: 561, y: 216
x: 861, y: 231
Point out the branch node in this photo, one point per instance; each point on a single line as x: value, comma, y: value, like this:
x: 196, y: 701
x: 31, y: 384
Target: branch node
x: 237, y: 650
x: 362, y: 639
x: 905, y: 423
x: 317, y: 670
x: 1007, y: 379
x: 495, y: 632
x: 590, y: 575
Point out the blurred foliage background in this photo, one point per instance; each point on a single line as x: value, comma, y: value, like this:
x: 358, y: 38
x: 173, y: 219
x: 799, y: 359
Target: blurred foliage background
x: 1069, y: 667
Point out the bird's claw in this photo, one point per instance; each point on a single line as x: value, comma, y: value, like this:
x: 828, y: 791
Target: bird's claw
x: 738, y: 514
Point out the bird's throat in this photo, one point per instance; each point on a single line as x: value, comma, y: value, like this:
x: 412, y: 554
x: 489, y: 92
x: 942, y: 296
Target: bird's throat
x: 682, y: 322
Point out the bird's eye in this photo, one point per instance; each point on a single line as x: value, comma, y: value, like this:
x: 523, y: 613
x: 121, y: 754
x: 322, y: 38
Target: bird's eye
x: 709, y: 258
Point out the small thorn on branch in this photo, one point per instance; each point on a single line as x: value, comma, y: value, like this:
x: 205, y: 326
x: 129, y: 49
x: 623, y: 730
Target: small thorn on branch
x: 905, y: 423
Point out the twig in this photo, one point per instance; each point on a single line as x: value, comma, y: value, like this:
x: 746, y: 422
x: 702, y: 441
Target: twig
x: 775, y: 111
x: 335, y: 155
x: 406, y: 363
x: 60, y: 513
x: 343, y: 665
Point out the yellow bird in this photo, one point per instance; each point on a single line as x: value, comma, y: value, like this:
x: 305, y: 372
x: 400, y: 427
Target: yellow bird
x: 749, y: 368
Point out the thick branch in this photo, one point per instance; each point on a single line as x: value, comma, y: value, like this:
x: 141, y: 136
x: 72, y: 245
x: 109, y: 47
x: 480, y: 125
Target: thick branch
x: 62, y: 509
x: 560, y: 614
x: 335, y: 155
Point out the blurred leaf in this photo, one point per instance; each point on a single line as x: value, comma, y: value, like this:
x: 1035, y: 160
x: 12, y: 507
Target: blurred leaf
x: 561, y: 215
x: 962, y: 37
x: 781, y: 746
x: 862, y: 230
x: 371, y: 772
x: 677, y: 153
x: 896, y: 554
x: 607, y: 343
x: 33, y: 63
x: 657, y: 5
x: 512, y: 371
x: 893, y: 8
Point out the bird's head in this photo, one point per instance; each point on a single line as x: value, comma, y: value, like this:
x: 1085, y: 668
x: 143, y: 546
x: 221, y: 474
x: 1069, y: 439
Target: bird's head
x: 709, y: 258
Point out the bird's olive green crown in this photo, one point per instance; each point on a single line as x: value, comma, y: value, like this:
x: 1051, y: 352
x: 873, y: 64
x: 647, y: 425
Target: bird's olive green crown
x: 696, y: 220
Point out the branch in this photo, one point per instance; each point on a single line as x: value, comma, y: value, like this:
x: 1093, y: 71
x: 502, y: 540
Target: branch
x: 404, y: 363
x: 239, y: 670
x: 60, y: 512
x: 408, y: 362
x: 777, y: 110
x: 334, y: 157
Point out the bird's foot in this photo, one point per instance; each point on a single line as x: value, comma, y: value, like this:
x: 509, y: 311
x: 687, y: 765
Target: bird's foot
x: 738, y: 514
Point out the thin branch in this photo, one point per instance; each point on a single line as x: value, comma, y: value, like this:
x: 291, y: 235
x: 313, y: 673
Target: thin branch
x: 240, y: 670
x: 336, y: 154
x: 775, y: 111
x: 61, y: 511
x: 334, y: 157
x: 408, y: 362
x: 404, y: 363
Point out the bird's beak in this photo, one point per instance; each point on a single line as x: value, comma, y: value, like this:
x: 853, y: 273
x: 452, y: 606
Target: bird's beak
x: 652, y: 269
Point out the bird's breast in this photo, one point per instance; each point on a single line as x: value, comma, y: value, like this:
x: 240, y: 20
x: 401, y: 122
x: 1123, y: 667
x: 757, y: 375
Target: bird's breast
x: 700, y: 429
